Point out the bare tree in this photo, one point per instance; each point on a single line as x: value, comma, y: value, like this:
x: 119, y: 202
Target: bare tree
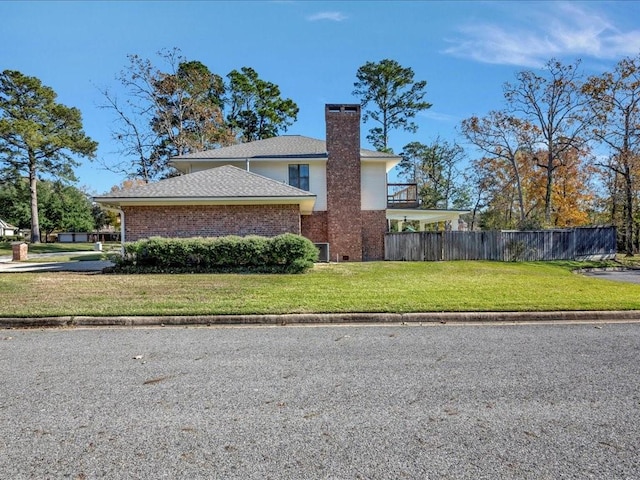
x: 614, y: 102
x: 135, y: 138
x: 434, y: 168
x: 504, y: 137
x: 166, y: 113
x: 555, y: 104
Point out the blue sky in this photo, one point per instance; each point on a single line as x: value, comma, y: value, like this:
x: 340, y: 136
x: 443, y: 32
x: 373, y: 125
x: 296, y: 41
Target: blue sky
x: 465, y: 50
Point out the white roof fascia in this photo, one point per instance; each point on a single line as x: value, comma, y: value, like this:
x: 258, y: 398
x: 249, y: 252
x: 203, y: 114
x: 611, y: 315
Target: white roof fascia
x: 389, y: 162
x: 423, y: 215
x: 306, y: 203
x: 186, y: 165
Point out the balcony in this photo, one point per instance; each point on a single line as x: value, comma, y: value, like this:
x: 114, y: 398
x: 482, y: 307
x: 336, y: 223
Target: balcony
x: 402, y: 195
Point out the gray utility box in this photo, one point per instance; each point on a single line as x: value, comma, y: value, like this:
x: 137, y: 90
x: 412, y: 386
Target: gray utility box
x: 323, y: 251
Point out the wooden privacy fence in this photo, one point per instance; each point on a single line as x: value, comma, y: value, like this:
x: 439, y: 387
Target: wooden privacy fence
x: 573, y: 244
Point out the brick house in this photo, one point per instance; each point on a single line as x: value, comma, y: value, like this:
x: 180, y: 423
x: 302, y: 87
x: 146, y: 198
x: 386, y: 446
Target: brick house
x: 332, y: 192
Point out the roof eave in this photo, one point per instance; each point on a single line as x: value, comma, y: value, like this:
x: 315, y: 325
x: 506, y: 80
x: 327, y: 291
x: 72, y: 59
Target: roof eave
x: 429, y: 215
x: 389, y: 162
x: 306, y: 202
x: 244, y: 158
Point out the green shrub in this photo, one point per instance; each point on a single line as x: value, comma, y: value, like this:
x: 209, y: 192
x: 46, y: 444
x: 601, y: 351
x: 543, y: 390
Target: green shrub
x: 12, y: 238
x: 287, y: 253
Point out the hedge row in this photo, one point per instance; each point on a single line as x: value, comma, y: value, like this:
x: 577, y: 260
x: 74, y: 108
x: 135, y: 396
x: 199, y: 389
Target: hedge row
x: 287, y: 253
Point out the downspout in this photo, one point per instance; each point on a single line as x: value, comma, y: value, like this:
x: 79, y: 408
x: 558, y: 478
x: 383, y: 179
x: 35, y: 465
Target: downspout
x: 121, y: 213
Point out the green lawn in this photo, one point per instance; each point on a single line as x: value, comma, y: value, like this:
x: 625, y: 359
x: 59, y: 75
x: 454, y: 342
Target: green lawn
x: 327, y: 288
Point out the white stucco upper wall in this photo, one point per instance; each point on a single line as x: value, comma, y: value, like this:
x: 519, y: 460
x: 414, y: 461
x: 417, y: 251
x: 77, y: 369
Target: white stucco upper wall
x: 373, y: 175
x: 374, y: 186
x: 278, y: 170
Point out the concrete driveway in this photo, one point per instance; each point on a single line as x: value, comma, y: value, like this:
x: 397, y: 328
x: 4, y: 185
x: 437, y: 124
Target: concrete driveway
x: 629, y: 276
x: 88, y: 266
x: 7, y: 266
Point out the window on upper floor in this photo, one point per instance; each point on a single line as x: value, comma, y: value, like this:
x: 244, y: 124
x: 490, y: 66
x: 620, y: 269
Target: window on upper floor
x: 299, y: 176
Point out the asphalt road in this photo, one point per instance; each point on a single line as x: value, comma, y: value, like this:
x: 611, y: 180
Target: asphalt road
x: 330, y: 402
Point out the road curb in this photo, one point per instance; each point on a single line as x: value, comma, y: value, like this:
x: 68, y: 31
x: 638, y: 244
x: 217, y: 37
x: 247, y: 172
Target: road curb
x: 332, y: 318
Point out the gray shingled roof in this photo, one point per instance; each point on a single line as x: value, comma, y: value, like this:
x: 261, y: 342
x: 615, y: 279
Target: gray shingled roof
x: 220, y: 182
x: 275, y: 147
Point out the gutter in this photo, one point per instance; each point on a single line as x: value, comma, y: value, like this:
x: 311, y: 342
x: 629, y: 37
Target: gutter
x: 172, y: 201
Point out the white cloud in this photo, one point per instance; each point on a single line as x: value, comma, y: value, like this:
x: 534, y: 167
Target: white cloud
x: 333, y: 16
x: 439, y: 116
x: 567, y: 29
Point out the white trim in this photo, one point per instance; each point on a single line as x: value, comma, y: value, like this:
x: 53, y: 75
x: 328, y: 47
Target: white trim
x: 423, y: 215
x: 305, y: 203
x: 402, y: 215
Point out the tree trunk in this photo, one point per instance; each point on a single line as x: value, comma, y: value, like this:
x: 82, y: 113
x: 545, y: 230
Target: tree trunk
x: 516, y: 171
x: 628, y: 218
x: 549, y: 190
x: 33, y: 190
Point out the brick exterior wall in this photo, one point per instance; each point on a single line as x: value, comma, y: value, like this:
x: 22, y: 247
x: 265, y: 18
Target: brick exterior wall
x: 344, y: 215
x: 374, y: 225
x: 210, y: 221
x: 353, y: 234
x: 314, y: 227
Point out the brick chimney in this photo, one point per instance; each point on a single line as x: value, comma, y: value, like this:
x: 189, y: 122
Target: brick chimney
x: 344, y: 214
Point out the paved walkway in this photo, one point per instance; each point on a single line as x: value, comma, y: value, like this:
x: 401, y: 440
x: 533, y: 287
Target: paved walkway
x: 8, y: 266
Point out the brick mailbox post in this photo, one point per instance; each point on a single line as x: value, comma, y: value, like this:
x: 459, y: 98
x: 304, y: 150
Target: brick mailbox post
x: 20, y: 251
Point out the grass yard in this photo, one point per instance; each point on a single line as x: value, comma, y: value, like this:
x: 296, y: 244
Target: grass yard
x: 328, y: 288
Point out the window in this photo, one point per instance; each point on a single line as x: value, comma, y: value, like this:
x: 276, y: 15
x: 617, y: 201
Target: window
x: 299, y: 176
